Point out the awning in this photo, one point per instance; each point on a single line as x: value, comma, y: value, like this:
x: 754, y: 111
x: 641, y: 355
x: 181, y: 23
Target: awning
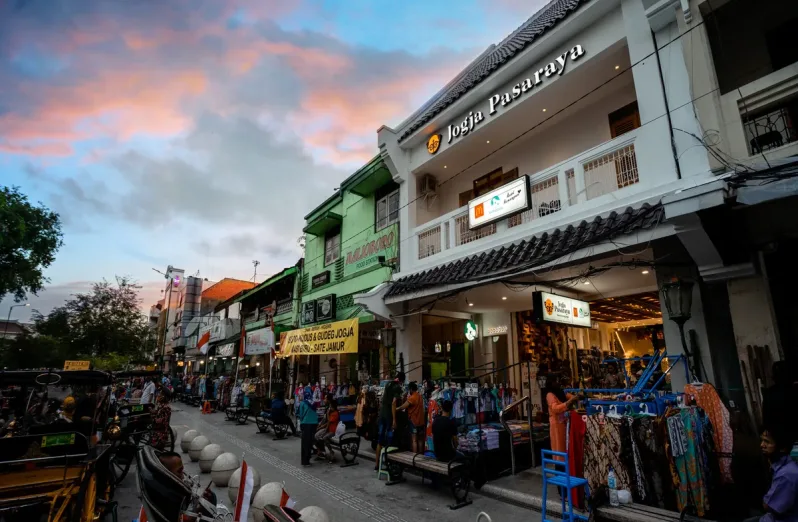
x: 323, y: 223
x: 366, y: 181
x: 282, y: 275
x: 531, y: 253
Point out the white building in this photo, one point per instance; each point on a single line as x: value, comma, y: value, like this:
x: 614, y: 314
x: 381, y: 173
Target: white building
x: 571, y: 158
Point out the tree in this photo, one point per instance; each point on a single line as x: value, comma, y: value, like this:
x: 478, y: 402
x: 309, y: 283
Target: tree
x: 29, y: 238
x: 104, y: 325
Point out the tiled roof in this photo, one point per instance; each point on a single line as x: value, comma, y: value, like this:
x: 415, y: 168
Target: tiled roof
x: 533, y: 252
x: 520, y: 39
x: 226, y: 288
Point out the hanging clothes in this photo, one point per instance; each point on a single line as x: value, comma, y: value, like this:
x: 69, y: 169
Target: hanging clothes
x: 706, y: 397
x: 685, y: 440
x: 576, y: 454
x: 603, y: 438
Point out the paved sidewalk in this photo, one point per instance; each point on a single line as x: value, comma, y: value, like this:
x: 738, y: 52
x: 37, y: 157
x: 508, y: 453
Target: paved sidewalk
x: 347, y: 494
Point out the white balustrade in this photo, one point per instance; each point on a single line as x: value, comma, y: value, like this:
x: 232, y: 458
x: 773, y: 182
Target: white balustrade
x: 604, y: 169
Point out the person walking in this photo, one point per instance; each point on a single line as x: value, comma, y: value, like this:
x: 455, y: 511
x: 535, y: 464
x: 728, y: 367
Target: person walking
x: 308, y: 422
x: 415, y: 413
x: 148, y: 395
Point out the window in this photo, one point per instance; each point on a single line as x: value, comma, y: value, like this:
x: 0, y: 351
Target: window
x: 387, y: 210
x: 625, y: 119
x: 491, y: 181
x: 332, y: 246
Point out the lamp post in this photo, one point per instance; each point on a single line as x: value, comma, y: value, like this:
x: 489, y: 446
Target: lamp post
x: 678, y: 297
x: 8, y: 320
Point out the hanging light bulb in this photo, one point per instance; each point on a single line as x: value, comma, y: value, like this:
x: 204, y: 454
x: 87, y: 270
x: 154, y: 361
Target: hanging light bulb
x: 437, y: 347
x: 448, y: 347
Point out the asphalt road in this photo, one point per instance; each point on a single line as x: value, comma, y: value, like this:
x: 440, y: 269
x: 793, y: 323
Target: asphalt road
x: 346, y: 494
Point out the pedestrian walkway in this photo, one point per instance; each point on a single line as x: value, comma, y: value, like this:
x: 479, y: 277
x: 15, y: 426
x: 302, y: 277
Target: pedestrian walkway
x: 347, y: 494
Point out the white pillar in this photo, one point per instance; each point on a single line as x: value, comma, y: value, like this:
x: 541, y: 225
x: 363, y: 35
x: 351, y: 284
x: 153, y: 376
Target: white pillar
x: 408, y: 345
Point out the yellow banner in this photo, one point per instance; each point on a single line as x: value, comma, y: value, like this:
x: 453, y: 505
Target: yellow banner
x: 322, y: 339
x: 76, y: 365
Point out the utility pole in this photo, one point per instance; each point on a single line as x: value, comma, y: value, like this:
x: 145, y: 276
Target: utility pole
x: 255, y: 277
x: 168, y: 276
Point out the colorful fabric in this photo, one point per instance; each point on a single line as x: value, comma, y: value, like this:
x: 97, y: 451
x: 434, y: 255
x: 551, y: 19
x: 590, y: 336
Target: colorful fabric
x: 691, y: 488
x: 706, y: 397
x: 576, y: 455
x: 603, y: 438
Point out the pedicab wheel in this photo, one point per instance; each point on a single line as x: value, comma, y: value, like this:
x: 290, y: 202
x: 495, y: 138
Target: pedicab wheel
x: 120, y: 462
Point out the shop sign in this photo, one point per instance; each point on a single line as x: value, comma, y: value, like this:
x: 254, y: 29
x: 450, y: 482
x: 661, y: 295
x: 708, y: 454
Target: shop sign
x: 225, y: 350
x: 364, y: 254
x: 309, y: 312
x: 474, y: 118
x: 218, y: 331
x: 76, y: 365
x: 323, y: 339
x: 470, y: 330
x: 559, y: 309
x: 471, y: 389
x: 320, y: 279
x: 496, y: 330
x: 505, y: 201
x: 259, y: 341
x: 325, y: 308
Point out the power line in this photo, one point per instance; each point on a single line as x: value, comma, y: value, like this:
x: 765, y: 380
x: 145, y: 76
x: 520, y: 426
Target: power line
x: 550, y: 117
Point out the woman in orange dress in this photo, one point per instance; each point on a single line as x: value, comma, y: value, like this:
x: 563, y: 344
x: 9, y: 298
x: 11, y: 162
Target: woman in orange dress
x: 559, y: 403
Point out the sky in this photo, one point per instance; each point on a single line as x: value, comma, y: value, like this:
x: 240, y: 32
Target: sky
x: 198, y: 133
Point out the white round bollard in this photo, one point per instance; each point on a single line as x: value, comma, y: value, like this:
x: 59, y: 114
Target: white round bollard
x: 235, y: 480
x: 208, y: 455
x: 313, y: 514
x: 196, y: 447
x: 221, y: 469
x: 271, y: 493
x: 188, y: 436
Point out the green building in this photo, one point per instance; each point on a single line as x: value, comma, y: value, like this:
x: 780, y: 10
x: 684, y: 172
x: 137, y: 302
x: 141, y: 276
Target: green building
x: 351, y: 246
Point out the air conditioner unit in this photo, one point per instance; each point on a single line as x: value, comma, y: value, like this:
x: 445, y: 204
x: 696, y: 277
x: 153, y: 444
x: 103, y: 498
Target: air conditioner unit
x: 428, y: 185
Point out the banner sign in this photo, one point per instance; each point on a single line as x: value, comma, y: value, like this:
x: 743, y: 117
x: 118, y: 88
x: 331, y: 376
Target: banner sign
x: 471, y: 389
x: 364, y: 253
x: 226, y: 350
x: 259, y: 341
x: 322, y: 339
x: 76, y: 365
x: 503, y: 202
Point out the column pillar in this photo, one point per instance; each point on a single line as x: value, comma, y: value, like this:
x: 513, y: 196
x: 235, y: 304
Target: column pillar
x: 408, y: 344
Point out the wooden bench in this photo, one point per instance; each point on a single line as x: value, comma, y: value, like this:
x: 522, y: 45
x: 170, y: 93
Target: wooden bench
x: 348, y: 446
x: 642, y: 513
x: 265, y: 423
x: 458, y: 471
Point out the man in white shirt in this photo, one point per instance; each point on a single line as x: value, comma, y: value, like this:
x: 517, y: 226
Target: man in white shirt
x: 148, y: 395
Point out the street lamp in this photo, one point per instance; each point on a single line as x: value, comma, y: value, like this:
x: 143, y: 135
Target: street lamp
x: 8, y: 320
x: 678, y: 297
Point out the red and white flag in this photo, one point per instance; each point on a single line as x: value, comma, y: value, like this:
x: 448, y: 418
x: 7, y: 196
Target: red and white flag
x: 245, y: 488
x: 286, y: 501
x: 142, y: 515
x: 203, y: 342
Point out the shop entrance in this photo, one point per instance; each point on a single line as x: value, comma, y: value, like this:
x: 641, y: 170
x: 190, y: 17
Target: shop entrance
x: 445, y: 349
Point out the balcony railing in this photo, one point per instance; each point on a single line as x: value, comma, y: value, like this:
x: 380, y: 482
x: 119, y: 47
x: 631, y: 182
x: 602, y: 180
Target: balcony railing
x: 600, y: 171
x: 771, y: 129
x: 284, y: 308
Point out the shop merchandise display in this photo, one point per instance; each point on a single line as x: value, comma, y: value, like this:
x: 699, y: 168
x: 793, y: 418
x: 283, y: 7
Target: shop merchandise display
x: 667, y: 461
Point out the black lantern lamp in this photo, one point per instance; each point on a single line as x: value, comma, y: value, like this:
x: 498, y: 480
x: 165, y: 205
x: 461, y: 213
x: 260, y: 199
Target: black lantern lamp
x: 678, y: 297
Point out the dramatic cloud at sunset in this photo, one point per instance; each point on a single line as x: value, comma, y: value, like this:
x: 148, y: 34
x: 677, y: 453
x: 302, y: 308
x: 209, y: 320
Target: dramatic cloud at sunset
x: 200, y: 132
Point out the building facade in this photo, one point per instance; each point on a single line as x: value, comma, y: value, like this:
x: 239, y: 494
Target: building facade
x: 351, y: 246
x: 545, y: 166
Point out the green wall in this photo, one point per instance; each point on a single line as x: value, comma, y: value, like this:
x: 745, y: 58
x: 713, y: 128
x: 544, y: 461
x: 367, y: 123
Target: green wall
x: 357, y: 231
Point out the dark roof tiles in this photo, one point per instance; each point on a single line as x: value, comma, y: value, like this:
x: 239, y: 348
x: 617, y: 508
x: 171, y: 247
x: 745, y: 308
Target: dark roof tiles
x: 519, y: 40
x: 532, y: 252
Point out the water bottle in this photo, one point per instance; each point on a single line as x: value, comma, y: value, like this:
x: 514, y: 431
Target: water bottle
x: 612, y: 483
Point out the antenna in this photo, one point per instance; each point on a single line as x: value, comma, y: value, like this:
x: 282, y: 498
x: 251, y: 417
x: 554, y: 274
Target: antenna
x: 255, y: 262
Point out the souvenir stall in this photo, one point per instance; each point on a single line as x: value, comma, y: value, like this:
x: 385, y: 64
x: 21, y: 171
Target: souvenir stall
x: 495, y: 421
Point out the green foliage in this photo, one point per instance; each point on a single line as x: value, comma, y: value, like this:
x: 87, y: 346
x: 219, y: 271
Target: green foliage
x: 29, y: 238
x: 105, y: 326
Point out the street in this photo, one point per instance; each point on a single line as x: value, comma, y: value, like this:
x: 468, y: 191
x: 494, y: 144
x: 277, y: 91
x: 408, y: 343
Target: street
x: 346, y: 494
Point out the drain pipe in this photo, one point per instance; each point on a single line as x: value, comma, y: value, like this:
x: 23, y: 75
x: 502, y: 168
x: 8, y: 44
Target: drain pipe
x: 667, y: 107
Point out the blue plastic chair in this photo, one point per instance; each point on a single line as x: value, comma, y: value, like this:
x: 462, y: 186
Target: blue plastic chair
x: 563, y: 479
